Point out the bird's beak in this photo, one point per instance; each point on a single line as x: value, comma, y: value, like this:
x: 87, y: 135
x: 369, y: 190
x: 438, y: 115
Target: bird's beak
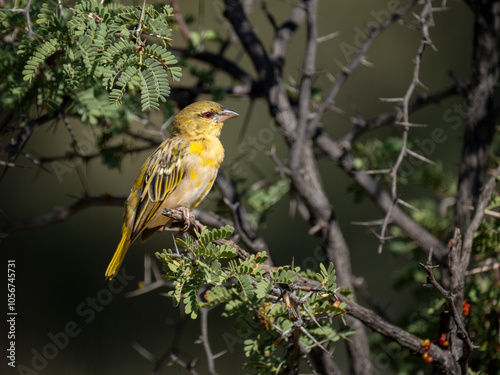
x: 226, y: 114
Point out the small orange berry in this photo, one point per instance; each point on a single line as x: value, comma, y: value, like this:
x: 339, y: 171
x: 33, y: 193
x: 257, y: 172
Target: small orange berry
x: 427, y: 358
x: 465, y: 308
x: 425, y: 342
x: 442, y: 339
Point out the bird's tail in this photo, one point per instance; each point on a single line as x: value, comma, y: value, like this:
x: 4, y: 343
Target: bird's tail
x: 117, y: 260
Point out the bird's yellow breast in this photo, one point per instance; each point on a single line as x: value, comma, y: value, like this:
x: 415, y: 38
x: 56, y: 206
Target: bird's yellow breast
x: 209, y: 151
x: 202, y: 164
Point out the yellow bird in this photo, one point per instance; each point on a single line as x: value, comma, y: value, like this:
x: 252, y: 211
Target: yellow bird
x: 178, y: 175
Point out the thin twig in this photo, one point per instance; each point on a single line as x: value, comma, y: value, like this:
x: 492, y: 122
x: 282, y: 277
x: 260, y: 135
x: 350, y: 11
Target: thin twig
x: 26, y: 12
x: 425, y: 19
x: 183, y: 27
x: 139, y: 25
x: 305, y: 88
x: 205, y: 341
x: 62, y: 214
x: 355, y: 62
x: 478, y: 218
x: 455, y: 311
x: 481, y: 269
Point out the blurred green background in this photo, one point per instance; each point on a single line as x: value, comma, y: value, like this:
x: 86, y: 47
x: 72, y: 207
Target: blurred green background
x: 59, y: 267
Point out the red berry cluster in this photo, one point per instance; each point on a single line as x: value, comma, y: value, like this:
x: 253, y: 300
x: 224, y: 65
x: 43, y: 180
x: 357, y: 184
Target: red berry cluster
x: 427, y: 358
x: 465, y: 308
x: 443, y: 341
x: 426, y: 344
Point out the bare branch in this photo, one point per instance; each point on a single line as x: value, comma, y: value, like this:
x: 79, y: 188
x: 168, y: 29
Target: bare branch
x: 240, y: 217
x: 205, y: 341
x: 451, y: 300
x: 26, y: 12
x: 478, y: 219
x: 61, y: 214
x: 180, y: 20
x: 139, y: 25
x: 381, y: 198
x: 284, y: 35
x: 479, y: 98
x: 356, y: 61
x: 490, y: 266
x: 305, y: 86
x: 442, y: 358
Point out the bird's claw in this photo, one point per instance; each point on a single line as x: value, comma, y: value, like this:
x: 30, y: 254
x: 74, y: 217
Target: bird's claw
x: 187, y: 216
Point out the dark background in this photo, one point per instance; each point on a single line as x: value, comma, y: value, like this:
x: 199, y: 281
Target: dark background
x: 60, y: 266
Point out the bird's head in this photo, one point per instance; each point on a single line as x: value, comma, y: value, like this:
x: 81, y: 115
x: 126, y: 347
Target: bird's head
x: 201, y: 119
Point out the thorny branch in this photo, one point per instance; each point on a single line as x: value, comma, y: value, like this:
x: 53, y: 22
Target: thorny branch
x: 426, y: 21
x: 442, y: 357
x: 171, y: 356
x: 301, y: 130
x: 26, y: 12
x: 305, y: 179
x: 356, y: 61
x: 451, y: 300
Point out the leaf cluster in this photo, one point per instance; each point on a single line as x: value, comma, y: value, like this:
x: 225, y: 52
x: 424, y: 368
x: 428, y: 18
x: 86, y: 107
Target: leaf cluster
x: 98, y: 55
x: 205, y: 272
x: 199, y: 264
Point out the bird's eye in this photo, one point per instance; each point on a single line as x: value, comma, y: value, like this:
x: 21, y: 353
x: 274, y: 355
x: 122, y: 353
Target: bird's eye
x: 207, y: 115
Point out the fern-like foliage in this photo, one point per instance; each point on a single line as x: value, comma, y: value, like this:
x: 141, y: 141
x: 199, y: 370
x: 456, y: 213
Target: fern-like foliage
x: 253, y: 292
x: 202, y: 266
x: 90, y: 48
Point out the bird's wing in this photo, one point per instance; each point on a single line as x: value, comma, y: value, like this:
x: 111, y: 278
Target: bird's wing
x: 160, y: 175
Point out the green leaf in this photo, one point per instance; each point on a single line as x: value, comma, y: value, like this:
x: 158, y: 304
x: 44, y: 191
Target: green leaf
x: 327, y: 277
x: 263, y: 289
x: 246, y: 285
x: 42, y: 52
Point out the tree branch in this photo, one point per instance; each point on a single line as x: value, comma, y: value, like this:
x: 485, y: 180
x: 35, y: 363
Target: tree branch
x: 61, y: 214
x: 480, y: 124
x: 205, y: 341
x: 379, y: 196
x: 339, y: 81
x: 241, y: 221
x: 452, y: 300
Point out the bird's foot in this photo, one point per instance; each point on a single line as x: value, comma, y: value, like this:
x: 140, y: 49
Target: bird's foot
x: 188, y: 216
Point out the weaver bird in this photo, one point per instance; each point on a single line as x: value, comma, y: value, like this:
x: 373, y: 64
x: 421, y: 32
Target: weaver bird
x: 178, y: 175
